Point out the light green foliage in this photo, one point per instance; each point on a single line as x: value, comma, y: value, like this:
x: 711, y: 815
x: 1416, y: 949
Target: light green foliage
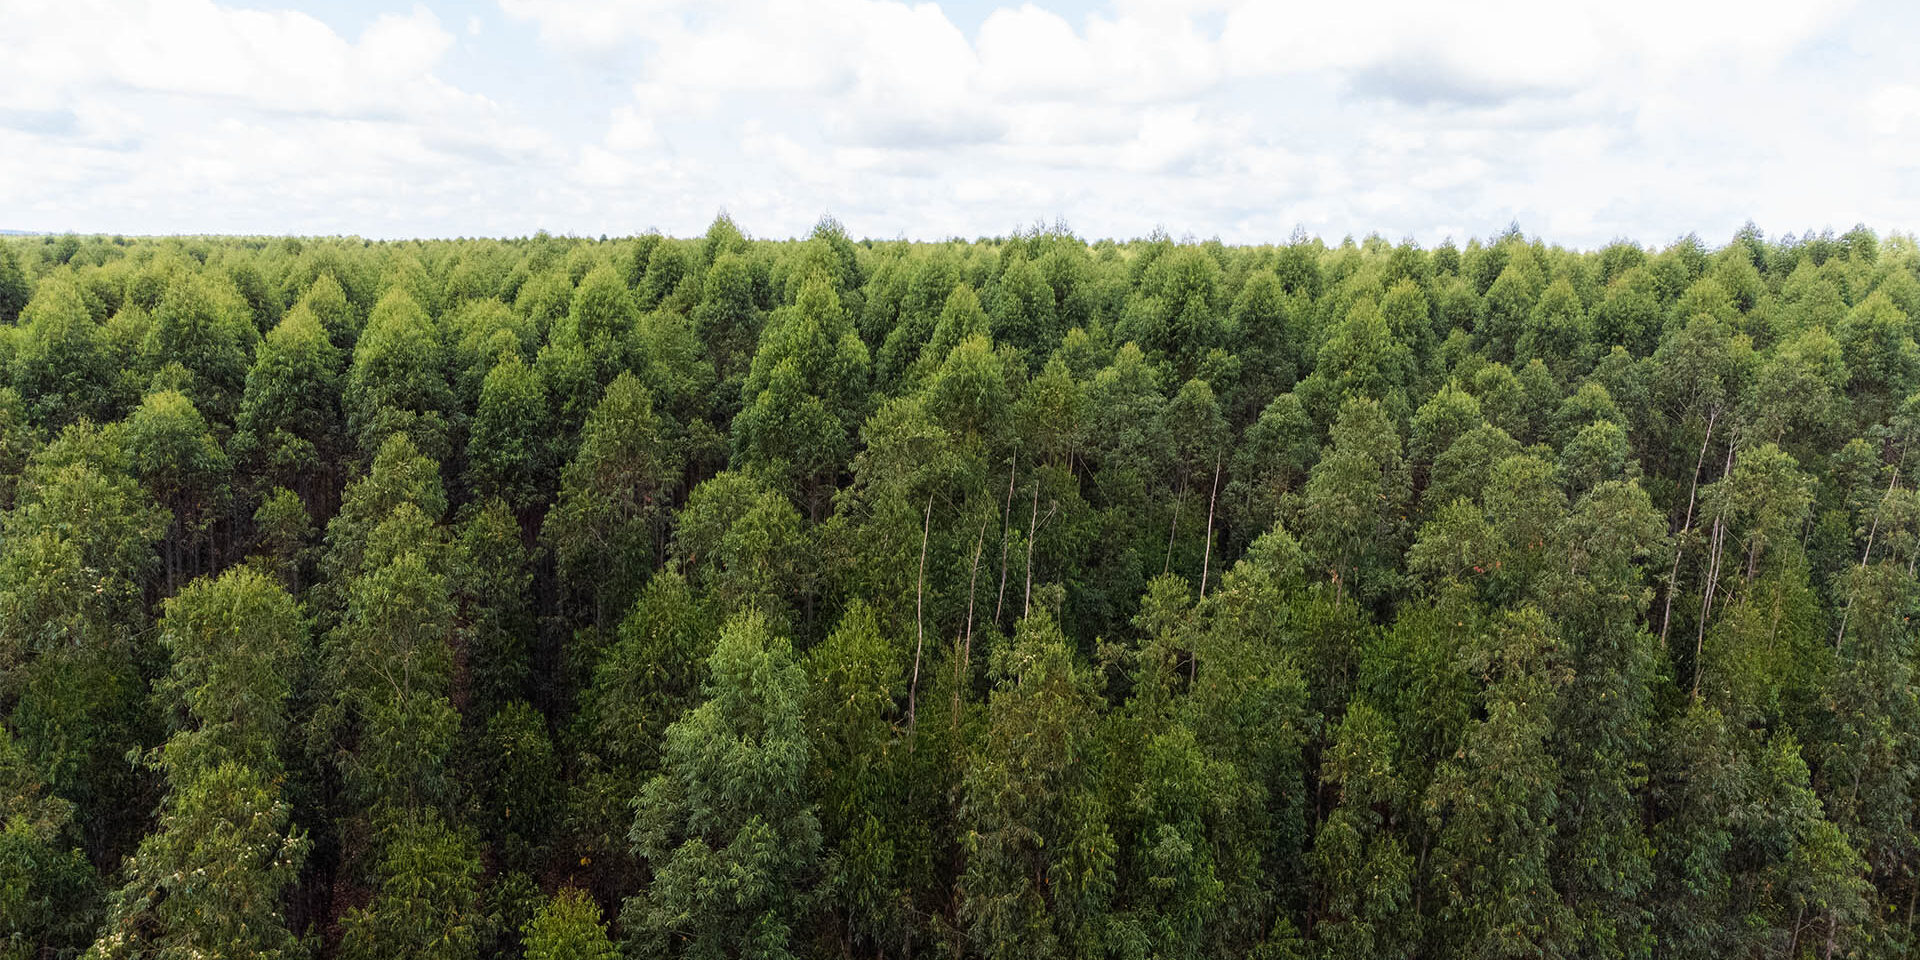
x: 49, y: 897
x: 289, y: 425
x: 567, y: 927
x: 237, y: 643
x: 390, y: 666
x: 427, y: 901
x: 509, y: 443
x: 400, y: 477
x: 398, y: 380
x: 203, y: 324
x: 727, y: 319
x: 176, y: 457
x: 60, y: 361
x: 600, y: 319
x: 742, y: 543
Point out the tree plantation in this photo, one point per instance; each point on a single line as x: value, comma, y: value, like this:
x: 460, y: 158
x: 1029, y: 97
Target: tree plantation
x: 1018, y: 598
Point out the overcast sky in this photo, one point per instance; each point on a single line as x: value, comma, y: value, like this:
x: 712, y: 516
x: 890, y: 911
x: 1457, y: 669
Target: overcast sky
x: 1583, y: 121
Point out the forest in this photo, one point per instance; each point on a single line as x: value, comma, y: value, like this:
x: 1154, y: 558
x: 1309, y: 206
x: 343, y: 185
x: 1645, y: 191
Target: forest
x: 1023, y: 597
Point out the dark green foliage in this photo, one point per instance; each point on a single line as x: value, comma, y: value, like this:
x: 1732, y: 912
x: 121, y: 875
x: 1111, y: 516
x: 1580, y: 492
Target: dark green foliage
x: 726, y: 826
x: 607, y: 526
x: 1040, y: 854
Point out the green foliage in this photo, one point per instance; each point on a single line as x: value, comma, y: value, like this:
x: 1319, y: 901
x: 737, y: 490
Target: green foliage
x: 237, y: 643
x: 365, y: 599
x: 568, y: 927
x: 427, y: 901
x: 203, y: 324
x: 608, y: 523
x: 209, y: 878
x: 398, y: 380
x: 49, y: 897
x: 509, y: 444
x: 289, y: 425
x: 727, y: 826
x: 1040, y: 855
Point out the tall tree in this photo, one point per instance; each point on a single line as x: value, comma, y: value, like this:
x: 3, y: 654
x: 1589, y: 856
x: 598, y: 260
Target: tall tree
x: 727, y: 825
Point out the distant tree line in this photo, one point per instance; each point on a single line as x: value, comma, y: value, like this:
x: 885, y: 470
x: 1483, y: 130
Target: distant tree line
x: 1017, y: 598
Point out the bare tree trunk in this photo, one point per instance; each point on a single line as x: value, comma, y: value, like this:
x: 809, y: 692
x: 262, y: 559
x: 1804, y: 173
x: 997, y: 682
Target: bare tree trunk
x: 1706, y: 603
x: 1680, y: 542
x: 919, y: 608
x: 1006, y: 537
x: 1714, y: 553
x: 1032, y: 522
x: 1178, y: 499
x: 1872, y: 529
x: 1206, y: 559
x: 965, y: 661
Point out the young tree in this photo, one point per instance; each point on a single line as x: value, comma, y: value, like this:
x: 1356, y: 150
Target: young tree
x: 427, y: 904
x: 176, y: 456
x: 203, y: 324
x: 567, y: 927
x: 1363, y: 873
x: 210, y: 879
x: 237, y: 643
x: 289, y: 427
x: 1353, y: 519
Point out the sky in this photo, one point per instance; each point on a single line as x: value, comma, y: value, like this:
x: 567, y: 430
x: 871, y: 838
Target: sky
x: 1584, y: 122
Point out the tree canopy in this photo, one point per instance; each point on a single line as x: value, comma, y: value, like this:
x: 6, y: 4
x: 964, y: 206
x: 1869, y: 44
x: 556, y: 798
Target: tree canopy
x: 1027, y: 596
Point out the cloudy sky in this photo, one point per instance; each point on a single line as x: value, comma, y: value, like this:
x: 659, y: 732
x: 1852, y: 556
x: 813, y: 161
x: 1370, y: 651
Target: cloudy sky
x: 1583, y: 121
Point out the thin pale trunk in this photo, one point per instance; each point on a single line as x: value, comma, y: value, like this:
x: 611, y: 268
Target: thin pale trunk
x: 1006, y: 537
x: 1178, y: 499
x: 1680, y: 542
x: 1206, y: 559
x: 1033, y: 522
x: 1713, y: 580
x: 1706, y: 603
x: 1872, y: 529
x: 965, y: 661
x: 919, y: 610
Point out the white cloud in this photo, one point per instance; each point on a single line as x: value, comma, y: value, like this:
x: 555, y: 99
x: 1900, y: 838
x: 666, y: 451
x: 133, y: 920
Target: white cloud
x: 204, y: 117
x: 1586, y: 120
